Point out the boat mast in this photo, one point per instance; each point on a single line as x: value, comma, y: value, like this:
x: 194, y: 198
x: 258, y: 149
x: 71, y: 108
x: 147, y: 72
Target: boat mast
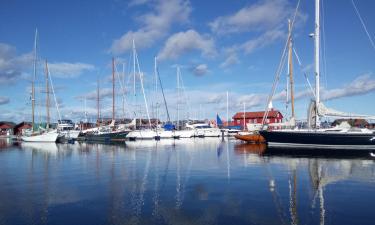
x: 317, y: 57
x: 290, y: 67
x: 156, y: 89
x: 98, y: 103
x: 162, y: 91
x: 47, y: 97
x: 85, y: 111
x: 134, y: 52
x: 178, y: 96
x: 33, y: 82
x: 141, y: 76
x: 113, y: 88
x: 244, y: 116
x: 123, y: 89
x: 227, y: 108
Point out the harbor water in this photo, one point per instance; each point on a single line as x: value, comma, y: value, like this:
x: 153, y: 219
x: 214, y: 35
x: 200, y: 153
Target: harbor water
x: 193, y: 181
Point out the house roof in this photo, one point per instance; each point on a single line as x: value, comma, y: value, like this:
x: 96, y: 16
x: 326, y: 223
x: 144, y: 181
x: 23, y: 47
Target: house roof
x: 260, y: 114
x: 10, y: 124
x: 5, y: 126
x: 26, y: 124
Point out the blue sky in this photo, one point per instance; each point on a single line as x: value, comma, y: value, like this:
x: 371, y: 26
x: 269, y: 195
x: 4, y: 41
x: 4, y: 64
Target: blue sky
x: 232, y: 46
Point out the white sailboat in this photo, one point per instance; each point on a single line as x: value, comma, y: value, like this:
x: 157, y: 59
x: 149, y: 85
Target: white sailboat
x: 42, y: 135
x: 141, y: 133
x: 50, y: 136
x: 187, y: 132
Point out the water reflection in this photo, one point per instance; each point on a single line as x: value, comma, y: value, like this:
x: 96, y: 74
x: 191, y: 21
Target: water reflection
x: 5, y: 143
x: 246, y: 148
x: 200, y: 181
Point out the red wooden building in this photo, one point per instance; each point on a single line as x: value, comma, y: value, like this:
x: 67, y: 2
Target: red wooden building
x: 6, y: 128
x: 21, y: 126
x: 274, y: 116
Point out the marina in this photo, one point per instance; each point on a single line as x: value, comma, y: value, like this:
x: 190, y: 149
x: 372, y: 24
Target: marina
x: 187, y: 112
x: 204, y: 181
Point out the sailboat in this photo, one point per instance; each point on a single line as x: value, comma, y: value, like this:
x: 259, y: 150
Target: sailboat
x: 38, y: 135
x: 187, y: 131
x: 168, y: 130
x: 141, y: 133
x: 315, y: 137
x: 109, y: 132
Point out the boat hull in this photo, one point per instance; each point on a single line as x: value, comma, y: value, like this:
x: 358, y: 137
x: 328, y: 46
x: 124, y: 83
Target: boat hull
x: 167, y: 134
x: 69, y: 134
x: 319, y: 140
x: 254, y: 138
x: 185, y: 133
x: 142, y: 135
x: 107, y: 137
x: 208, y: 132
x: 45, y: 137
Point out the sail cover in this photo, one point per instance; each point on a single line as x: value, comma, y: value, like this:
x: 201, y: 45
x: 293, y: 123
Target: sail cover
x: 324, y: 111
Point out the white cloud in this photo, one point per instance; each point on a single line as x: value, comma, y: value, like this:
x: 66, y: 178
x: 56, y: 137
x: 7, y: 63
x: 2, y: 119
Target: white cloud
x: 13, y: 65
x: 183, y: 42
x: 232, y: 59
x: 266, y: 20
x: 361, y: 85
x: 155, y: 25
x: 104, y: 93
x: 4, y: 100
x: 260, y: 16
x: 200, y: 70
x: 265, y: 39
x: 137, y: 2
x: 68, y: 70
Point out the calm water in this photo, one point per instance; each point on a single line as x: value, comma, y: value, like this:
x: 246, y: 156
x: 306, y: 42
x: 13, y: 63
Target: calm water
x: 201, y: 181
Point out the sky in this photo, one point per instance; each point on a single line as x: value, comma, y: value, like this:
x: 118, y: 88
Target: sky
x: 219, y: 47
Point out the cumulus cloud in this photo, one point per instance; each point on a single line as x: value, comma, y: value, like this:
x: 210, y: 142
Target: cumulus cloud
x: 69, y: 70
x: 137, y: 2
x: 260, y: 16
x: 265, y: 19
x: 104, y: 93
x: 361, y: 85
x: 13, y: 65
x: 183, y: 42
x: 250, y: 46
x: 200, y: 70
x: 154, y: 25
x: 4, y: 100
x: 265, y: 39
x: 231, y: 59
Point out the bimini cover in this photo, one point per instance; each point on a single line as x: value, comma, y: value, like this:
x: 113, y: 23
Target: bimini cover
x: 169, y: 126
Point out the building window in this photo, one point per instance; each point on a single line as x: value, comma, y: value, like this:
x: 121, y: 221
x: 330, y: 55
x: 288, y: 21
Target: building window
x: 238, y: 121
